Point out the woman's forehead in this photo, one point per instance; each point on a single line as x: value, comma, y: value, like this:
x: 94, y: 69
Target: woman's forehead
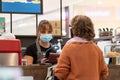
x: 46, y: 28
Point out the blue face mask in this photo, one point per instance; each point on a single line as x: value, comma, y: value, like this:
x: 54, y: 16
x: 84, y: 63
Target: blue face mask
x: 46, y: 37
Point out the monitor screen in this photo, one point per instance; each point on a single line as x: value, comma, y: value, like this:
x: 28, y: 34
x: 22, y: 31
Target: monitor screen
x: 21, y: 6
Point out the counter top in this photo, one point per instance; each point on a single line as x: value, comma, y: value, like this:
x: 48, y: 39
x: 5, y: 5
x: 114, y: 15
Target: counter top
x: 38, y: 72
x: 114, y: 72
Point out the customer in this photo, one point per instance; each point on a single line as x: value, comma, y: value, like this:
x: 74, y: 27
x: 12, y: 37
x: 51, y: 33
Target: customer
x: 81, y: 59
x: 38, y: 52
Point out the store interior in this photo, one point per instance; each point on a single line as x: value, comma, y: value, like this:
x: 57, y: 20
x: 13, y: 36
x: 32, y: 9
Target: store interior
x: 105, y: 15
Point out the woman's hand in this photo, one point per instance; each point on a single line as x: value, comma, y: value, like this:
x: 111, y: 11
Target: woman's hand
x: 43, y: 60
x: 29, y: 59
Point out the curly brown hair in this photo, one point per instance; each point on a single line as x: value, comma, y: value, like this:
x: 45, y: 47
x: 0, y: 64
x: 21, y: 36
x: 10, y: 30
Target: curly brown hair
x: 82, y: 26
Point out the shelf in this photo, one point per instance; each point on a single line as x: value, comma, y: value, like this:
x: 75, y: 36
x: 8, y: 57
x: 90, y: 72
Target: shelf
x: 103, y: 38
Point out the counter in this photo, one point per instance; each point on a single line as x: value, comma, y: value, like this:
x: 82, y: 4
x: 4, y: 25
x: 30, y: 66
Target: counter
x: 114, y: 72
x: 38, y: 72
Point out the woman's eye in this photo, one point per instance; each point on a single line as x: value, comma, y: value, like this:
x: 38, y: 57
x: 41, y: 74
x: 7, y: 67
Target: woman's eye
x: 49, y: 31
x: 42, y: 31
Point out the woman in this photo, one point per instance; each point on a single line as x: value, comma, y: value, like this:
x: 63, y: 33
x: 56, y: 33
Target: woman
x: 81, y: 59
x: 38, y: 52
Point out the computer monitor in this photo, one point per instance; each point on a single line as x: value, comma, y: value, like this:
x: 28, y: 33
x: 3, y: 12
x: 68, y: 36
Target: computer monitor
x: 21, y: 6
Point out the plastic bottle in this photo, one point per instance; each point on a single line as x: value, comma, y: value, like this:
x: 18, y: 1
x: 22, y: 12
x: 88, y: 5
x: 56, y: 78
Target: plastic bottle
x: 59, y: 45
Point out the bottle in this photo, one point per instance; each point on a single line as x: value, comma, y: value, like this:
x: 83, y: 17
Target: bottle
x: 100, y: 32
x: 59, y: 45
x: 111, y: 31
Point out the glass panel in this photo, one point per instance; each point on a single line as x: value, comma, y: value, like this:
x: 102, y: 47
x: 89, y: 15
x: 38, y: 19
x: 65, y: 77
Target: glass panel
x: 53, y: 15
x: 24, y: 24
